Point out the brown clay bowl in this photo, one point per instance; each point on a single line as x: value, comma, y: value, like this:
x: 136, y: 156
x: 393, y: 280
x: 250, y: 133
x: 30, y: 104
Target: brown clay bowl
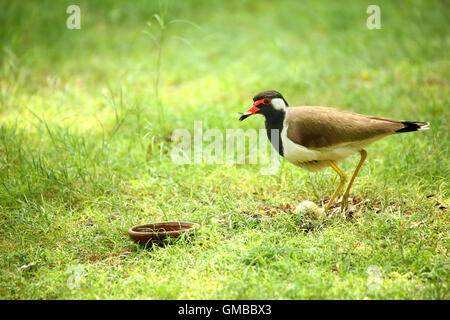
x: 156, y: 232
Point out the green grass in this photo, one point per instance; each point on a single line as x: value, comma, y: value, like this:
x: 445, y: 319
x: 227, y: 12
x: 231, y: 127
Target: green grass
x: 83, y: 155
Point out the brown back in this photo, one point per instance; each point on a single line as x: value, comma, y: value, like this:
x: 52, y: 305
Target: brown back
x: 321, y: 127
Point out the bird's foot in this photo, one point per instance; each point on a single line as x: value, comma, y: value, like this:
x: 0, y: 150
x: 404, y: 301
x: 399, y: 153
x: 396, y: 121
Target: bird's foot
x: 345, y: 211
x: 344, y: 204
x: 347, y: 207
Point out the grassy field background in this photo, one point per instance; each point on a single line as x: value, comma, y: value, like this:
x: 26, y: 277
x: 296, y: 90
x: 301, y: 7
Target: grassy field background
x: 85, y: 154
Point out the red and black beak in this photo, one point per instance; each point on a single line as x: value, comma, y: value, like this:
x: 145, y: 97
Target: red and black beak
x: 254, y: 109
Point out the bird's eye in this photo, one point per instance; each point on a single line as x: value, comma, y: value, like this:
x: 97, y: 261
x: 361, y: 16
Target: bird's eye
x: 266, y: 101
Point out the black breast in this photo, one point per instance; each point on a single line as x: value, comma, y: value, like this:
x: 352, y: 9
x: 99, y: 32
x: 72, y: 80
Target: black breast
x: 274, y: 126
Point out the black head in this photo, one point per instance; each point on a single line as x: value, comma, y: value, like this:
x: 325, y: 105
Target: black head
x: 266, y: 102
x: 271, y: 94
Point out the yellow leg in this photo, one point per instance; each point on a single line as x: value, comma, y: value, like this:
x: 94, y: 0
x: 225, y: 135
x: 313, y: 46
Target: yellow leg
x: 341, y: 184
x: 347, y: 192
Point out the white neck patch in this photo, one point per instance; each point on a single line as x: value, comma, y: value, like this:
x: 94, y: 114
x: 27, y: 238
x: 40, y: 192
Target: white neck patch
x: 278, y: 104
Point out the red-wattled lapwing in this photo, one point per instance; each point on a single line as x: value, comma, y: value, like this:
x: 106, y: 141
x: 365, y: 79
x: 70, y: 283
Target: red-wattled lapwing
x: 317, y: 137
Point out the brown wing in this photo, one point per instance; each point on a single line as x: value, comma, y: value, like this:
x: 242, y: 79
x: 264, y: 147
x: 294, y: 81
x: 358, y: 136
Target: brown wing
x: 321, y: 127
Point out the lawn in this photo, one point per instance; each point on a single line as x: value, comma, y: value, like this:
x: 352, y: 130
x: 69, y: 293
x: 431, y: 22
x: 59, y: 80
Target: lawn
x: 86, y: 117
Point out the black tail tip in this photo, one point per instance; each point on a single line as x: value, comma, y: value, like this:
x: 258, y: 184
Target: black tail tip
x: 414, y: 126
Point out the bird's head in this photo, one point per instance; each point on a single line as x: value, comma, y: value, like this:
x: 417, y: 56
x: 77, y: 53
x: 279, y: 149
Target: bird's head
x: 266, y: 103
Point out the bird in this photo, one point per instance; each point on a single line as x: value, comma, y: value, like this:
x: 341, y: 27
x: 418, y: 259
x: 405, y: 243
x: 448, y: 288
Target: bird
x: 316, y: 137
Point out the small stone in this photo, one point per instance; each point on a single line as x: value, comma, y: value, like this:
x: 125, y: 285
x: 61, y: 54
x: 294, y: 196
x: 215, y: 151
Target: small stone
x: 308, y: 207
